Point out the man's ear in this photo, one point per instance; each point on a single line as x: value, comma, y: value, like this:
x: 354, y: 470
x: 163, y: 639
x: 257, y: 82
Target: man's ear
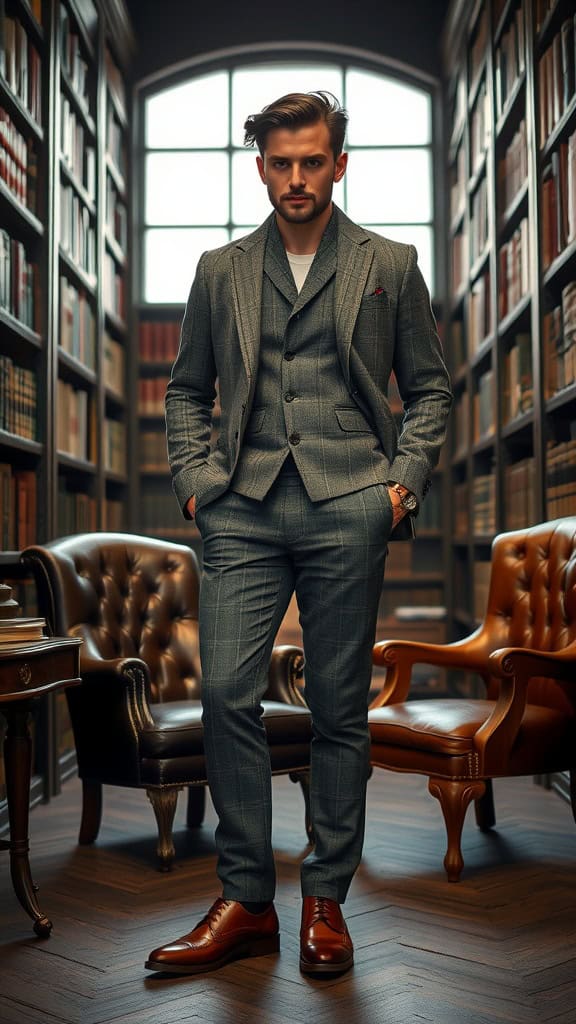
x: 260, y: 166
x: 340, y: 166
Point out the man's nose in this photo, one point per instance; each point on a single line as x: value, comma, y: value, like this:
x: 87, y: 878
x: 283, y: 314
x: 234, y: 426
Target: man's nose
x: 296, y: 176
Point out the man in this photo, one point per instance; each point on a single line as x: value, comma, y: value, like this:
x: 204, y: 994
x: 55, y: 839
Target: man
x: 302, y: 323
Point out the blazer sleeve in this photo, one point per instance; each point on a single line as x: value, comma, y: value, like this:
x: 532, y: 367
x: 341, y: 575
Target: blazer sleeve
x: 423, y: 382
x: 191, y: 393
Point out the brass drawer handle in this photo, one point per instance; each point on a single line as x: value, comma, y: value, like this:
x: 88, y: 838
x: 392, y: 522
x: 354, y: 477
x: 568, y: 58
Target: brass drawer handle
x: 25, y: 673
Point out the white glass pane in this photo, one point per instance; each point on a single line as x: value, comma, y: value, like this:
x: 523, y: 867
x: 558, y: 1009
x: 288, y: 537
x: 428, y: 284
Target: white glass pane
x: 384, y: 111
x: 412, y: 234
x: 189, y: 116
x: 186, y: 188
x: 170, y: 259
x: 254, y: 88
x: 250, y: 203
x: 241, y: 232
x: 388, y: 186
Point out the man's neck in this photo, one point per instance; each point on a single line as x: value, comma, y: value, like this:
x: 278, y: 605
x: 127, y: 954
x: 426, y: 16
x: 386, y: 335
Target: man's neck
x: 303, y: 239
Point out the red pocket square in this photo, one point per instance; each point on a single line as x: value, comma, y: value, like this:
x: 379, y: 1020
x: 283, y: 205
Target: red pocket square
x: 378, y: 291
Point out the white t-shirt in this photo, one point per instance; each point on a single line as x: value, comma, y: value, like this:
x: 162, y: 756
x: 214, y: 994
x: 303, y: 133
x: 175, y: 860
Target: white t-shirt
x: 300, y: 265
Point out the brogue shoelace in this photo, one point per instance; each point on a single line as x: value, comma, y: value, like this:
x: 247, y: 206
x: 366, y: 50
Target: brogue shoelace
x: 322, y: 911
x: 215, y: 913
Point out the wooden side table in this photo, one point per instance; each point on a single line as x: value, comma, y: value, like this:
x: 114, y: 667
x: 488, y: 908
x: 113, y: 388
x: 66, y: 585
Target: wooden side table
x: 28, y: 670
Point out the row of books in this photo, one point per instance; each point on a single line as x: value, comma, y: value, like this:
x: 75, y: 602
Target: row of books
x: 479, y: 314
x: 116, y: 214
x: 518, y: 382
x: 458, y: 186
x: 114, y: 446
x: 114, y: 365
x: 556, y: 77
x: 18, y: 281
x: 78, y: 155
x: 73, y: 60
x: 510, y: 61
x: 18, y: 162
x: 18, y: 399
x: 484, y: 419
x: 158, y: 340
x: 478, y: 47
x: 116, y: 142
x: 559, y: 200
x: 18, y: 507
x: 390, y: 598
x: 20, y: 63
x: 151, y: 395
x: 153, y: 455
x: 482, y: 570
x: 459, y: 260
x: 73, y: 421
x: 480, y: 128
x: 77, y: 236
x: 561, y: 478
x: 559, y: 343
x: 77, y: 512
x: 513, y: 169
x: 479, y: 221
x: 160, y: 514
x: 77, y: 324
x: 460, y: 510
x: 114, y: 79
x: 514, y: 270
x: 484, y: 504
x: 461, y: 419
x: 520, y: 498
x: 113, y: 288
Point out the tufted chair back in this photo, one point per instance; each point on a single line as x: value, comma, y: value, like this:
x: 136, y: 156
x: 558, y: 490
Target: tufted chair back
x: 126, y: 596
x: 532, y: 601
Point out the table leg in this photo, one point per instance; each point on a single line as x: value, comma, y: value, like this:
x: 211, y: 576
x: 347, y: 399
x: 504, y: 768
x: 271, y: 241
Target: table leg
x: 18, y: 764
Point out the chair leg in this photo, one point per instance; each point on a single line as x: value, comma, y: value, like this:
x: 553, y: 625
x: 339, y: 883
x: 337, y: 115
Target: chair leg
x: 196, y: 806
x: 455, y: 798
x: 304, y: 779
x: 91, y: 812
x: 164, y: 802
x: 484, y: 809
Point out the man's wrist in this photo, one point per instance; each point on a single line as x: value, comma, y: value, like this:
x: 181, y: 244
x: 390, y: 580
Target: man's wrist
x: 406, y: 498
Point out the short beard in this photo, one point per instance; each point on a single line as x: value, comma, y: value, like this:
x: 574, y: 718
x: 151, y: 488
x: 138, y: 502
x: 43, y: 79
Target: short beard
x: 298, y: 217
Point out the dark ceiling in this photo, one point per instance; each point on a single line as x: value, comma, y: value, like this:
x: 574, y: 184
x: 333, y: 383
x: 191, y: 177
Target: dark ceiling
x: 171, y: 31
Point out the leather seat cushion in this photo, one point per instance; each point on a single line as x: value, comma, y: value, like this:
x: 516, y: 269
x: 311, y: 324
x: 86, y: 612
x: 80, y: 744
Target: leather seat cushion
x: 178, y: 730
x: 448, y: 727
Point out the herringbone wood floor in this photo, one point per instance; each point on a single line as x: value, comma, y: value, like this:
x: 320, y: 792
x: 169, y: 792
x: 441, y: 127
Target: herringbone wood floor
x: 498, y: 947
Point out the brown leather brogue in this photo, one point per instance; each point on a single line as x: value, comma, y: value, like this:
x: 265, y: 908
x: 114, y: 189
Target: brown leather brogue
x: 325, y: 943
x: 228, y: 932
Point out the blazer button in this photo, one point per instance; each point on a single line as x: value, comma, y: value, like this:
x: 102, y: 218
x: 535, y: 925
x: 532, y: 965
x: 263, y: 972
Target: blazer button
x: 289, y: 397
x: 294, y: 438
x: 289, y: 355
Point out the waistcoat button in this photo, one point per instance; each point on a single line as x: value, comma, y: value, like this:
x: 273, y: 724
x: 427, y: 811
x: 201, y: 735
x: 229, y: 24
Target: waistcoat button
x: 289, y: 397
x: 289, y: 355
x: 294, y: 438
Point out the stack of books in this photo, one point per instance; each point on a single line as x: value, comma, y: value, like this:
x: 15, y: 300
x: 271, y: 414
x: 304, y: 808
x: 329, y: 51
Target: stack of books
x: 21, y: 629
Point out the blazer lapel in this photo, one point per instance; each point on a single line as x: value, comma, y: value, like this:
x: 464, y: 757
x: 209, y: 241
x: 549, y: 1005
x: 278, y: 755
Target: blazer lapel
x: 355, y: 255
x: 247, y: 270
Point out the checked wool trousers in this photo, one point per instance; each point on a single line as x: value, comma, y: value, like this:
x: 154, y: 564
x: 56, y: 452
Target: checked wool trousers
x: 256, y: 554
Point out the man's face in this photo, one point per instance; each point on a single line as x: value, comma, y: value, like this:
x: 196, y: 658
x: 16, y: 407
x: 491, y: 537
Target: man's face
x: 299, y: 171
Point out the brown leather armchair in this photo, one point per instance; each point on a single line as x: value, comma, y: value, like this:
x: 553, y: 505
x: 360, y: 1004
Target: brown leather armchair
x: 137, y: 716
x: 525, y: 651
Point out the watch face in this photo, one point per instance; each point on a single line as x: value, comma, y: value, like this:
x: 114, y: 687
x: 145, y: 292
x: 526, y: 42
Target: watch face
x: 410, y: 502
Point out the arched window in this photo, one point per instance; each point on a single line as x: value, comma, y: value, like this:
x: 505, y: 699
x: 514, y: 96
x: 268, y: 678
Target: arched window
x: 201, y: 186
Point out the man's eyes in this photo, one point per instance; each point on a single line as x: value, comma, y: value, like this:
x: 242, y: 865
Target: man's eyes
x: 281, y: 165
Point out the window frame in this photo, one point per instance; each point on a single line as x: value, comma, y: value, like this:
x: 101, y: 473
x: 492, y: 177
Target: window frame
x: 231, y: 59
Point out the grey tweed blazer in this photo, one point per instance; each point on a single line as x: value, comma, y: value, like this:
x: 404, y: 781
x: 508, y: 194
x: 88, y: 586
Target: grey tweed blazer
x: 383, y: 322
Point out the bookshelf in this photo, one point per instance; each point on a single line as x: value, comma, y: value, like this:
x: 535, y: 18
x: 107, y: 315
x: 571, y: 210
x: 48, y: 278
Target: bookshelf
x: 64, y: 265
x: 511, y: 245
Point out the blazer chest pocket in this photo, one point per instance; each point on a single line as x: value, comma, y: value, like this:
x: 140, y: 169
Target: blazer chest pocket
x: 351, y: 419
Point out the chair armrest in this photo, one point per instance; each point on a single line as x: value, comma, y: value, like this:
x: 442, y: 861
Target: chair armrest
x: 515, y: 666
x: 285, y: 675
x: 398, y: 656
x: 128, y: 677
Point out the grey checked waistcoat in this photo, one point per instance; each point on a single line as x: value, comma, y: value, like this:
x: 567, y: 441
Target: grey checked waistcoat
x: 301, y: 402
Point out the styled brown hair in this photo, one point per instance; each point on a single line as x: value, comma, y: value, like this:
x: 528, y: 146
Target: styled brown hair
x: 294, y: 110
